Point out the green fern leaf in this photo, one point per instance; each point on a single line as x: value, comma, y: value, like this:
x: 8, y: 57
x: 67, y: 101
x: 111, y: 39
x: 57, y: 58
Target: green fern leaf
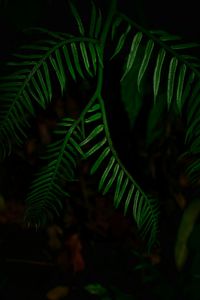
x: 128, y: 198
x: 187, y: 88
x: 48, y: 189
x: 93, y: 56
x: 145, y: 62
x: 121, y: 42
x: 93, y: 134
x: 42, y: 84
x: 95, y: 107
x: 77, y: 18
x: 171, y: 78
x: 112, y: 179
x: 76, y: 59
x: 68, y: 61
x: 95, y: 148
x: 93, y: 118
x: 118, y: 185
x: 180, y: 86
x: 61, y: 71
x: 157, y: 72
x: 120, y: 194
x: 48, y: 81
x: 85, y: 58
x: 133, y: 52
x: 99, y: 161
x: 135, y: 207
x: 36, y: 93
x: 106, y: 172
x: 57, y: 71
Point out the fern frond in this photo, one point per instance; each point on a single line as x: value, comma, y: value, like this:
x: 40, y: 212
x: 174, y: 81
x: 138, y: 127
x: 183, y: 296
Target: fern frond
x: 133, y: 52
x: 114, y: 177
x: 49, y: 187
x: 159, y: 51
x: 31, y: 82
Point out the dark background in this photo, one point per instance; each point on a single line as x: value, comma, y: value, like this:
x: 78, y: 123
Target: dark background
x: 177, y: 17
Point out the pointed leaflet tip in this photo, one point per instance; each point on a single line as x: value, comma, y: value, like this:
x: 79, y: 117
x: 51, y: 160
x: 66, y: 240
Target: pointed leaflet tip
x: 133, y: 52
x: 157, y: 72
x: 171, y: 78
x: 77, y: 17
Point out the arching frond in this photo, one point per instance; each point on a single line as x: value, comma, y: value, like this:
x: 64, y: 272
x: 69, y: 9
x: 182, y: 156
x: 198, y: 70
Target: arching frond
x: 49, y: 187
x: 160, y: 56
x: 114, y: 176
x: 32, y: 82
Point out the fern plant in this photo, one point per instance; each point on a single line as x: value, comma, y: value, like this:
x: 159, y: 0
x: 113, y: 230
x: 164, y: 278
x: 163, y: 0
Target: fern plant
x: 151, y: 60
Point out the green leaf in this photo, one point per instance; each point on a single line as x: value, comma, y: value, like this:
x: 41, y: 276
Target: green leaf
x: 28, y: 102
x: 78, y: 19
x: 93, y: 134
x: 106, y: 172
x: 135, y: 206
x: 57, y: 71
x: 111, y: 180
x: 133, y: 52
x: 94, y: 108
x: 48, y: 80
x: 42, y: 84
x: 77, y: 146
x: 85, y: 58
x: 96, y: 147
x: 93, y: 118
x: 171, y: 78
x: 128, y: 199
x: 187, y: 88
x: 180, y: 86
x: 121, y: 42
x: 40, y: 98
x: 145, y: 62
x: 61, y: 70
x: 76, y: 59
x: 99, y: 160
x: 157, y: 72
x: 68, y: 61
x: 93, y: 56
x: 118, y: 196
x: 118, y: 185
